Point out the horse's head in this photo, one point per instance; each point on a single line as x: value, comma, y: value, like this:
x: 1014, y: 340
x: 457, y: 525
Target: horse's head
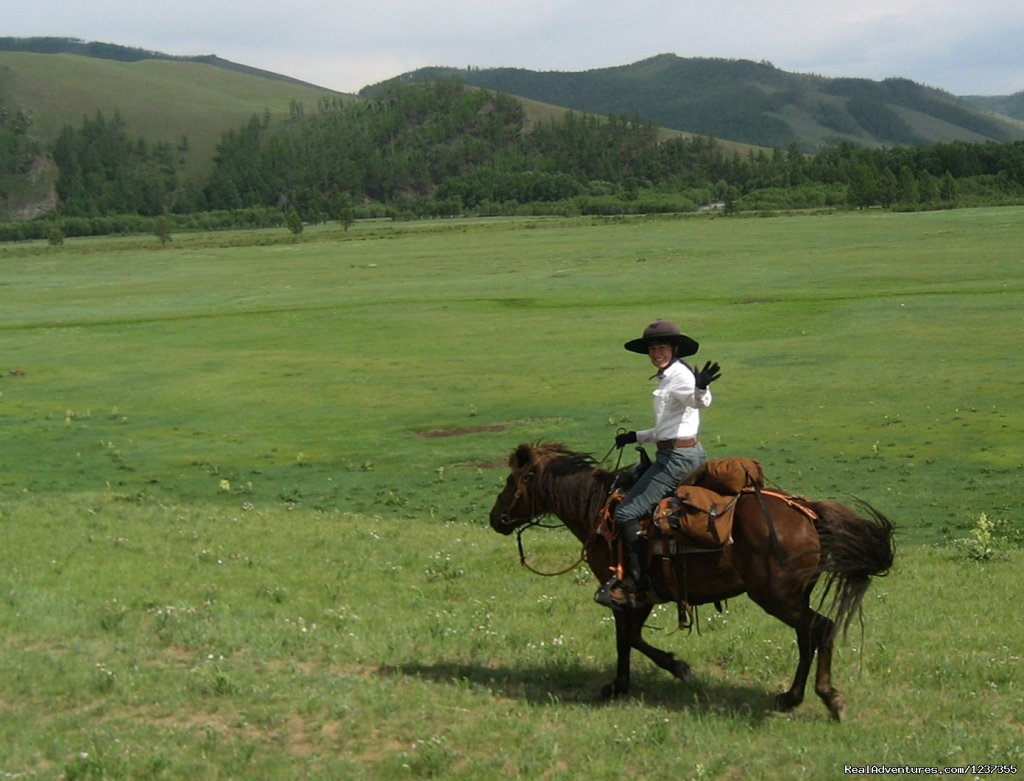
x: 515, y: 505
x: 549, y: 479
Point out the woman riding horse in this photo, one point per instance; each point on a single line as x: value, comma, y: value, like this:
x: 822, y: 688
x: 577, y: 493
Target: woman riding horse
x: 681, y: 393
x: 780, y: 547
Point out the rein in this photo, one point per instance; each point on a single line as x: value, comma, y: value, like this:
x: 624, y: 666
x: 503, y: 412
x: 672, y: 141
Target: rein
x: 534, y: 570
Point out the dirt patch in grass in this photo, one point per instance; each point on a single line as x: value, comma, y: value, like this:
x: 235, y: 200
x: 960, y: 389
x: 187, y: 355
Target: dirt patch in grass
x: 485, y: 464
x: 437, y: 433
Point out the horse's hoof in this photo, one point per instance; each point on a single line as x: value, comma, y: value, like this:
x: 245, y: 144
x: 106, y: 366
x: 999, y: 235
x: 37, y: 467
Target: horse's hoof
x: 682, y: 671
x: 785, y: 702
x: 612, y: 691
x: 837, y: 708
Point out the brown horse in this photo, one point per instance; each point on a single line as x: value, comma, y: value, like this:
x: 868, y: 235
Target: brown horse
x: 777, y: 556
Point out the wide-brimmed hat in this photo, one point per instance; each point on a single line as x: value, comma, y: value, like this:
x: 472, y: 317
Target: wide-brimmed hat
x: 663, y: 332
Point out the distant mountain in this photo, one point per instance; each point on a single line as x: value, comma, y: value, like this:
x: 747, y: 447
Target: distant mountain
x: 751, y: 102
x: 1008, y: 105
x: 113, y: 51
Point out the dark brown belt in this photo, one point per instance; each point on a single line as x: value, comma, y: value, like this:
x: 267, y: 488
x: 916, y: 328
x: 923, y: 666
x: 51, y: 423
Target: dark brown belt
x: 668, y: 444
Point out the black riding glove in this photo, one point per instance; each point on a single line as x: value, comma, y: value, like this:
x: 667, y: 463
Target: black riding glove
x: 708, y: 374
x: 627, y: 438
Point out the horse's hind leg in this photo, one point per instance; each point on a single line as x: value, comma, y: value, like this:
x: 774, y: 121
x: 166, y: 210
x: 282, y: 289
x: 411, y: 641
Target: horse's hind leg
x: 823, y: 631
x: 813, y: 635
x: 795, y: 612
x: 793, y: 696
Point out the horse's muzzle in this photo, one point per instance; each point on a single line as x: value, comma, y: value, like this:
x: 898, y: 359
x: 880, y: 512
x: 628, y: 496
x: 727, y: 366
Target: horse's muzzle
x: 501, y: 523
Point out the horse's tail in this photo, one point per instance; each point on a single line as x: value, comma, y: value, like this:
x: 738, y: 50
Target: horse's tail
x: 853, y: 550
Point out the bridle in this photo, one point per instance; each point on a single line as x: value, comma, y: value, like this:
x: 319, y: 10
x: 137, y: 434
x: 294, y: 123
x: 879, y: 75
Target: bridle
x: 521, y: 481
x: 507, y: 520
x: 538, y: 524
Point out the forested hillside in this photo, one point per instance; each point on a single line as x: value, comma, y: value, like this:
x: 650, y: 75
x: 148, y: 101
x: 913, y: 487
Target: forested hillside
x: 183, y: 103
x: 752, y: 102
x: 441, y: 148
x: 1008, y: 105
x: 97, y: 145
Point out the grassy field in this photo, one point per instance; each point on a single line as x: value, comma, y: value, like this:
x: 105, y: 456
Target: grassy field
x: 244, y: 483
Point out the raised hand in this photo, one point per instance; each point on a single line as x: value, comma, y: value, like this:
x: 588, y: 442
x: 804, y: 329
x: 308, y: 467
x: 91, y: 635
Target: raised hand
x: 707, y: 375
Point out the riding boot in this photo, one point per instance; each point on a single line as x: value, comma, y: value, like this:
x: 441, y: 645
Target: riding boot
x: 637, y: 582
x: 632, y: 591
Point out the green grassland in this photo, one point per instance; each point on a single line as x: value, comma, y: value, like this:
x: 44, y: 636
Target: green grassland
x: 244, y: 483
x: 870, y: 354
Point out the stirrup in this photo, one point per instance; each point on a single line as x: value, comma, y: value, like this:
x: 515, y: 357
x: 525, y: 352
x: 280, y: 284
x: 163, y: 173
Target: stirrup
x: 613, y: 594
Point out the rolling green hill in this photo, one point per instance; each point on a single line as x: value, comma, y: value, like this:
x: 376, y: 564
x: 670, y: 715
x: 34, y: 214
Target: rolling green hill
x: 537, y: 111
x: 752, y: 102
x: 157, y: 99
x: 1009, y: 105
x: 160, y: 100
x: 189, y: 103
x: 113, y: 51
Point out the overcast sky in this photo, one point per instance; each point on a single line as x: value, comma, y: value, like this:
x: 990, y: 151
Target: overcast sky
x: 966, y: 48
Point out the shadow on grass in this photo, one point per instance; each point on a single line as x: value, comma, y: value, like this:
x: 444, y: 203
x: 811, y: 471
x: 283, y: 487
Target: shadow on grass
x: 576, y: 685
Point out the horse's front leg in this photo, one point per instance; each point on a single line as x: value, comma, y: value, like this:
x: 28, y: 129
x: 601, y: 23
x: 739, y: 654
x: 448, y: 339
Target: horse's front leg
x: 629, y: 625
x: 623, y: 645
x: 666, y: 660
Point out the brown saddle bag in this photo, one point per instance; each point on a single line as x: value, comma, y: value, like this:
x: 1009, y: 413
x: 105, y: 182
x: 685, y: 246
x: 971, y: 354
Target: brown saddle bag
x: 700, y: 512
x: 696, y: 516
x: 728, y: 475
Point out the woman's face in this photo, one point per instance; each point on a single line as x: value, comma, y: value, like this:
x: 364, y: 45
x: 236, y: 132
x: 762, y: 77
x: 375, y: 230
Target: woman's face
x: 661, y: 355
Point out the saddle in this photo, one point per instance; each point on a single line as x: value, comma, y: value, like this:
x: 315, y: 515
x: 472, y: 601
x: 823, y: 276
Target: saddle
x: 696, y: 517
x: 699, y: 513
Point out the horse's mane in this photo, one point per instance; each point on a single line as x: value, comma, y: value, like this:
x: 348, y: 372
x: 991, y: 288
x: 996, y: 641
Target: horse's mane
x: 572, y: 482
x: 562, y: 460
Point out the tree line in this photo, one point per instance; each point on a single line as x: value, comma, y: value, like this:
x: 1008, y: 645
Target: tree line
x: 18, y: 150
x: 439, y: 148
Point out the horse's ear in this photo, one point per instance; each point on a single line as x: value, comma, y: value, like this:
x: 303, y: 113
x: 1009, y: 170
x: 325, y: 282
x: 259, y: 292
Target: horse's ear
x: 521, y: 457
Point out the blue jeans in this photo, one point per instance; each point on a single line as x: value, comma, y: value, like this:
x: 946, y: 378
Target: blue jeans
x: 661, y: 478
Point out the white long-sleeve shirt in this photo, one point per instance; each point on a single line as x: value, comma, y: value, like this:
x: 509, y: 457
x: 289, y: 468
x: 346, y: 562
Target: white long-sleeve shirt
x: 677, y: 405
